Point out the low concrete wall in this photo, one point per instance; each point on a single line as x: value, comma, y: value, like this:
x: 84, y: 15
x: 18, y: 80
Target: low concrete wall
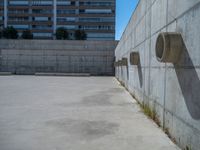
x: 31, y: 56
x: 172, y: 90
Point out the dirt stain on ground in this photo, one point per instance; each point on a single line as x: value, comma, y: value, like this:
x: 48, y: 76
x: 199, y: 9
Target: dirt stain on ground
x: 83, y: 129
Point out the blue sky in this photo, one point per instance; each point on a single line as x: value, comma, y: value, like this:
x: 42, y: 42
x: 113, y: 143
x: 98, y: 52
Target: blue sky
x: 124, y: 10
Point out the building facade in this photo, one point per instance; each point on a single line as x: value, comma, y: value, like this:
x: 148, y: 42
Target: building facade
x: 43, y: 17
x: 161, y: 72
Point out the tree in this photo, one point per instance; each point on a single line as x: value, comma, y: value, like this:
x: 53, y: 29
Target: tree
x: 62, y: 34
x: 80, y: 35
x: 10, y: 33
x: 27, y: 34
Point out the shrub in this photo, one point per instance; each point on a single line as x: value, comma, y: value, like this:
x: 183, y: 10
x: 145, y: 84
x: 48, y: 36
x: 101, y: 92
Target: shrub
x: 10, y: 33
x: 62, y: 34
x: 80, y: 35
x: 27, y: 34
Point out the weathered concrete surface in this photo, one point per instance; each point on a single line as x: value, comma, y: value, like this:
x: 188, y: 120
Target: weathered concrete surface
x: 60, y: 56
x: 73, y: 113
x: 172, y: 90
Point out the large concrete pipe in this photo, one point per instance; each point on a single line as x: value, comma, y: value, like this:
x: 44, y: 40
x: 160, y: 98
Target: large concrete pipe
x: 169, y: 46
x: 134, y: 58
x: 124, y: 61
x: 116, y: 64
x: 119, y: 62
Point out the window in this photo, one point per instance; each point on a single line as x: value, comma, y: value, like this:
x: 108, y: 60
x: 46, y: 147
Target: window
x: 96, y: 11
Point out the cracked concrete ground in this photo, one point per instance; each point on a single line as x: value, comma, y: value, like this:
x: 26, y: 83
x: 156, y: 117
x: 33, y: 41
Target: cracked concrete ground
x: 73, y: 113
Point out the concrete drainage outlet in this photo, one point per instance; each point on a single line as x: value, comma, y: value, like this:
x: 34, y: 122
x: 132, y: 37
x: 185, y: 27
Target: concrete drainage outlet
x: 120, y: 63
x: 134, y: 58
x: 116, y: 64
x: 124, y: 62
x: 169, y: 46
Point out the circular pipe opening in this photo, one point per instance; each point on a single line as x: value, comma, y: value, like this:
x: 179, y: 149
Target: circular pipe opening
x: 160, y: 46
x: 124, y: 61
x: 115, y: 64
x: 134, y: 58
x: 169, y: 46
x: 120, y: 63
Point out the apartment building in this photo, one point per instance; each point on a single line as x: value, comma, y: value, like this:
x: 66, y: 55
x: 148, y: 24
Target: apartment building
x: 43, y: 17
x: 1, y: 14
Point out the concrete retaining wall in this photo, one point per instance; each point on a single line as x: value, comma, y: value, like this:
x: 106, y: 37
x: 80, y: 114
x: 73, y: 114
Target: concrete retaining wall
x: 31, y: 56
x: 172, y: 90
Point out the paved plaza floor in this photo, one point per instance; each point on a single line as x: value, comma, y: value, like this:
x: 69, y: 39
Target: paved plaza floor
x: 73, y: 113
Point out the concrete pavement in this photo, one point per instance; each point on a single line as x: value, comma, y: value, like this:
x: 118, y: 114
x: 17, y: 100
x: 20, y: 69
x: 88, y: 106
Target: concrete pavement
x: 73, y: 113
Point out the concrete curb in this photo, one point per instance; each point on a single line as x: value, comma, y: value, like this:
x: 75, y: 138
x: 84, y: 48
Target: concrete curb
x: 62, y: 74
x: 5, y: 73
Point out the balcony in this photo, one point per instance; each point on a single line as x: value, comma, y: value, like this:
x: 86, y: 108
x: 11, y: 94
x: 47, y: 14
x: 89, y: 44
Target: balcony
x: 97, y: 4
x: 42, y: 23
x: 18, y: 3
x: 42, y: 3
x: 64, y: 11
x: 96, y: 11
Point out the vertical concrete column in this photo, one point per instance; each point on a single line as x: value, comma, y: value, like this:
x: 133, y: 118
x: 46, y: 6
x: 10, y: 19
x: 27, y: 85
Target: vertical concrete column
x: 5, y: 14
x: 77, y: 5
x: 77, y: 12
x: 54, y: 16
x: 30, y: 12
